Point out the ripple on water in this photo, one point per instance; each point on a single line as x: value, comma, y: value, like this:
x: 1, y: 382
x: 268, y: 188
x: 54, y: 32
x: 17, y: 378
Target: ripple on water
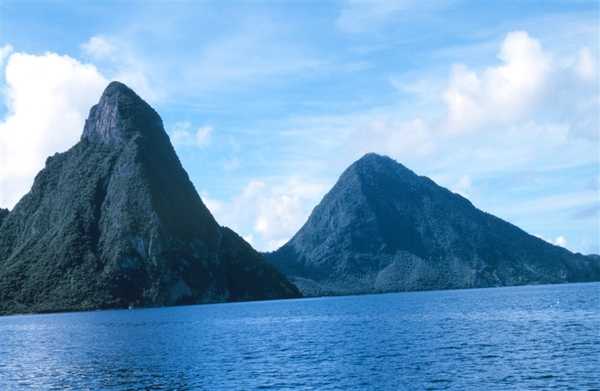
x: 543, y: 337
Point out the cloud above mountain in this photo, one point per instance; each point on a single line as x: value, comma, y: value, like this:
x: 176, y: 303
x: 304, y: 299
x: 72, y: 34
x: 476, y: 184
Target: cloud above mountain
x: 48, y: 97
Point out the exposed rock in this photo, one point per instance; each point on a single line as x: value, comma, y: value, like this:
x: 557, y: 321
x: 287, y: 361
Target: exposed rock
x: 382, y: 228
x: 116, y: 221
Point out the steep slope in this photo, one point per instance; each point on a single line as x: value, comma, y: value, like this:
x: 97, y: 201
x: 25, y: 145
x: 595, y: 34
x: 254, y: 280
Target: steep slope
x: 115, y: 221
x: 383, y: 228
x: 3, y: 214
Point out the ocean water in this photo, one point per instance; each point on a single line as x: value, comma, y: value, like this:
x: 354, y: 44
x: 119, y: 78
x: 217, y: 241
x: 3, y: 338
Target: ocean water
x: 535, y: 337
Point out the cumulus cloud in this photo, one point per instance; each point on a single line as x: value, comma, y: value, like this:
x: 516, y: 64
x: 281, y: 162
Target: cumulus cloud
x: 499, y: 117
x: 47, y: 99
x: 268, y: 213
x: 502, y: 93
x: 183, y: 134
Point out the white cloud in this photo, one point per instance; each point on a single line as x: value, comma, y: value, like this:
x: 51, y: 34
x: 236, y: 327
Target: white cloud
x: 98, y: 47
x: 500, y: 118
x: 270, y: 212
x: 560, y: 241
x: 48, y: 98
x: 183, y: 134
x: 503, y: 93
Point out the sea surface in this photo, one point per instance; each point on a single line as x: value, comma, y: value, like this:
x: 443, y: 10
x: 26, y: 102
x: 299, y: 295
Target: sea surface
x: 534, y: 337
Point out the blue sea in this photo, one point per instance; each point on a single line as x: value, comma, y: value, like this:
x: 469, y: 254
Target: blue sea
x: 532, y: 337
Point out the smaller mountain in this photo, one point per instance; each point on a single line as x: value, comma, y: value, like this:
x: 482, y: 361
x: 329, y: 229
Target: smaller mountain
x: 382, y: 228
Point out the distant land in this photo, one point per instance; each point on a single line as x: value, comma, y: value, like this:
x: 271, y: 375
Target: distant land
x: 115, y: 222
x: 382, y: 228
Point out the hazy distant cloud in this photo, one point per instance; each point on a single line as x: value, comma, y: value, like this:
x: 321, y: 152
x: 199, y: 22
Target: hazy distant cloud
x: 183, y: 134
x: 357, y: 16
x: 98, y: 47
x: 551, y: 204
x: 119, y: 61
x: 588, y: 212
x: 247, y: 57
x: 586, y: 65
x: 257, y: 50
x: 463, y: 186
x: 360, y: 15
x: 268, y: 212
x: 48, y: 98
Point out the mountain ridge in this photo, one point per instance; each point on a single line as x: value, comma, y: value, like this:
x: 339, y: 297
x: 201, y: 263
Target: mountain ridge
x: 384, y: 228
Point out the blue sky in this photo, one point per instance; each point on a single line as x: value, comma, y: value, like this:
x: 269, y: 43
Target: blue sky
x: 268, y: 102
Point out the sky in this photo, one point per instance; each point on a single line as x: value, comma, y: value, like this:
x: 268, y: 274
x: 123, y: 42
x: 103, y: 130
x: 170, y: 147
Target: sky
x: 267, y: 102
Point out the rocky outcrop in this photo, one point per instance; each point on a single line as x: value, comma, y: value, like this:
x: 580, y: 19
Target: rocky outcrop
x: 382, y: 228
x: 115, y: 221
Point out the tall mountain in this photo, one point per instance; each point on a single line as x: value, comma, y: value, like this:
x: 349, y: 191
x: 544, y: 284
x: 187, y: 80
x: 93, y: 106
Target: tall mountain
x: 383, y: 228
x: 115, y: 221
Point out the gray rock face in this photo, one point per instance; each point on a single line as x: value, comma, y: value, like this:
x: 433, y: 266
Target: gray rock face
x: 382, y: 228
x: 116, y: 221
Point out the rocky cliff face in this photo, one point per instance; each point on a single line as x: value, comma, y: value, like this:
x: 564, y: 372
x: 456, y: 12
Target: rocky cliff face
x: 116, y: 221
x: 382, y: 228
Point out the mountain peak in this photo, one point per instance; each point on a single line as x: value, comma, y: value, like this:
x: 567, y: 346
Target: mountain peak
x: 115, y: 221
x: 384, y: 228
x: 374, y: 167
x: 119, y: 115
x: 372, y: 156
x: 373, y: 160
